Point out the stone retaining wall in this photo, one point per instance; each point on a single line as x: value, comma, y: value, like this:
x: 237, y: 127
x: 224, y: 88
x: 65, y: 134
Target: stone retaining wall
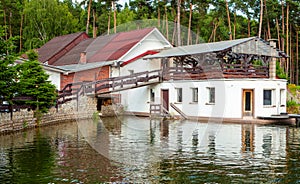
x: 24, y: 119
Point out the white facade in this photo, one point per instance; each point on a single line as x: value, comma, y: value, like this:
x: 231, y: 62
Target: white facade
x: 54, y: 77
x: 230, y: 99
x: 153, y: 41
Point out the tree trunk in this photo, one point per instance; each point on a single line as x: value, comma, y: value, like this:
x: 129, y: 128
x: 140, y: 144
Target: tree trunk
x: 4, y: 19
x: 278, y: 34
x: 88, y: 18
x: 228, y: 19
x: 268, y: 22
x: 10, y: 28
x: 249, y: 26
x: 21, y: 31
x: 282, y: 25
x: 178, y: 23
x: 287, y: 38
x: 190, y: 23
x: 260, y: 18
x: 115, y: 17
x: 94, y: 25
x: 158, y: 15
x: 234, y: 25
x: 297, y: 58
x: 108, y: 23
x: 291, y: 58
x: 167, y: 24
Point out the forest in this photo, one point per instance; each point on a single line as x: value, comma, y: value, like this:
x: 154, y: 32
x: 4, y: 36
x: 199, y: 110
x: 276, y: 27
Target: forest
x: 31, y: 23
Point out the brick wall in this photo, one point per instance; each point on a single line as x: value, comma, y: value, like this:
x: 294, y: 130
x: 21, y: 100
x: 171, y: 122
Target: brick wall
x: 24, y: 119
x: 87, y: 75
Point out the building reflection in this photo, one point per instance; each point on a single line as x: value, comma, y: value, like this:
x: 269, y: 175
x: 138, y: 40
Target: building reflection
x: 113, y: 124
x: 248, y: 137
x: 164, y: 129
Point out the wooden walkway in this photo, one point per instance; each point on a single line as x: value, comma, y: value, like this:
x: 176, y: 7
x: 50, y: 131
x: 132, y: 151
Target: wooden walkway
x: 72, y: 91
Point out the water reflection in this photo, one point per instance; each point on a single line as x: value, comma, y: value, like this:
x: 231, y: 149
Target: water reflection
x: 139, y: 150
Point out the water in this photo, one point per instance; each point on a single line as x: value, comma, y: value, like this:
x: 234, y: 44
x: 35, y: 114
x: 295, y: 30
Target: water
x: 137, y: 150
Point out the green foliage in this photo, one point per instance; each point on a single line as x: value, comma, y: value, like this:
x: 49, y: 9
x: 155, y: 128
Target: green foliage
x: 7, y: 69
x: 33, y: 82
x: 291, y: 103
x: 45, y: 21
x: 293, y: 88
x: 279, y: 71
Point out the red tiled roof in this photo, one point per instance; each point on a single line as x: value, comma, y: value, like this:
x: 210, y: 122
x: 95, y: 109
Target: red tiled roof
x: 104, y: 48
x: 120, y: 45
x: 56, y: 45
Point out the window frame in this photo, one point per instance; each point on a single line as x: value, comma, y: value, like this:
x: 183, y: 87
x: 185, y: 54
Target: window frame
x: 195, y: 95
x: 211, y: 95
x: 179, y: 93
x: 271, y: 98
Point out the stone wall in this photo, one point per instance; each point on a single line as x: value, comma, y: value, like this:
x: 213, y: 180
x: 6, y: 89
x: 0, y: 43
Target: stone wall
x: 24, y: 119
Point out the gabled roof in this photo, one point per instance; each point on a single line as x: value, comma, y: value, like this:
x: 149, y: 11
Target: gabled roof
x: 56, y: 45
x: 104, y: 48
x: 252, y: 45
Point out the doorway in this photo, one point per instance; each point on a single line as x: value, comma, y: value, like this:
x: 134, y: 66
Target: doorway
x: 165, y: 98
x: 248, y: 107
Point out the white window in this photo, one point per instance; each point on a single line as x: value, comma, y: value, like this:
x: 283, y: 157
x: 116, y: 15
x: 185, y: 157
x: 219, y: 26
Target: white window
x: 179, y: 94
x: 194, y: 94
x: 152, y: 95
x: 282, y: 97
x: 211, y: 95
x: 269, y: 97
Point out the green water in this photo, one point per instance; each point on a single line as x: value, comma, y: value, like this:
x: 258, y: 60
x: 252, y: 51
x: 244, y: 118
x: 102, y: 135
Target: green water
x: 137, y: 150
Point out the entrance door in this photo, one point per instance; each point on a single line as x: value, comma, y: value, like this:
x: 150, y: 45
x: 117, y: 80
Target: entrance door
x: 248, y: 102
x: 165, y: 98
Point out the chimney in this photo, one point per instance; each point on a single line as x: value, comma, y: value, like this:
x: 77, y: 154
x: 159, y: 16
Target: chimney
x: 82, y: 58
x: 272, y: 64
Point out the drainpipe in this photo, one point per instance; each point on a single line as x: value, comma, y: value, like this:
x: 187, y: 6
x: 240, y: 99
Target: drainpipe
x: 272, y: 64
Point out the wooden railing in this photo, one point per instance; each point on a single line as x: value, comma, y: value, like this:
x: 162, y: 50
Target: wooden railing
x: 249, y: 71
x: 74, y: 90
x: 16, y: 105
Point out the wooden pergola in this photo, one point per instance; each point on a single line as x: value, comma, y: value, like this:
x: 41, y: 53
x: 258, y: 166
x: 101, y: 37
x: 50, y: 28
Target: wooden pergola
x: 243, y: 58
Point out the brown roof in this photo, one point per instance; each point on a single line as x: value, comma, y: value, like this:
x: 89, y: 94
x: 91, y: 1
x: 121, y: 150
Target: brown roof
x: 104, y: 48
x: 56, y: 45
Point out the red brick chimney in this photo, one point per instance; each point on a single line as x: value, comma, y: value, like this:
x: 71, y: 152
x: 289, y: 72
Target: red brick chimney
x: 82, y: 58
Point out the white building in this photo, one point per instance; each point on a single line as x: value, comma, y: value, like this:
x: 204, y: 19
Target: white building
x: 229, y: 79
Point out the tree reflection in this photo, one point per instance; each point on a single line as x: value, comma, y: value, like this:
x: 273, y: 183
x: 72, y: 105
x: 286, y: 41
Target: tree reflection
x: 32, y: 163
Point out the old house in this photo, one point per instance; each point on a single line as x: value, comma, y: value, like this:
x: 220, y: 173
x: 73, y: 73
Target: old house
x: 87, y: 59
x: 229, y: 79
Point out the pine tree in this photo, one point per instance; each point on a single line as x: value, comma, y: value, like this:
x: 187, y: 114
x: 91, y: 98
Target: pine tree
x: 33, y: 82
x: 7, y: 69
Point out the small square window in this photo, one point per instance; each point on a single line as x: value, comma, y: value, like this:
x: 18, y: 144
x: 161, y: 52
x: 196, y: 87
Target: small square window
x: 194, y: 94
x: 269, y: 97
x: 179, y: 94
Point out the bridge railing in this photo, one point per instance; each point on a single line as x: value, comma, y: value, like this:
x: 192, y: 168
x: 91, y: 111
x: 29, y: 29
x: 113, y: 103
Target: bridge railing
x: 74, y: 90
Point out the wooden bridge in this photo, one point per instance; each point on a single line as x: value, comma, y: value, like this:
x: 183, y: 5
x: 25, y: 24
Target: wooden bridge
x: 72, y: 91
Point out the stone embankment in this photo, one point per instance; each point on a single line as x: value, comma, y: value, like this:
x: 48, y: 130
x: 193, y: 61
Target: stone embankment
x: 71, y: 111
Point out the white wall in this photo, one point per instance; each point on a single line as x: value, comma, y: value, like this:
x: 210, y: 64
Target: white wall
x: 228, y: 100
x: 54, y: 77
